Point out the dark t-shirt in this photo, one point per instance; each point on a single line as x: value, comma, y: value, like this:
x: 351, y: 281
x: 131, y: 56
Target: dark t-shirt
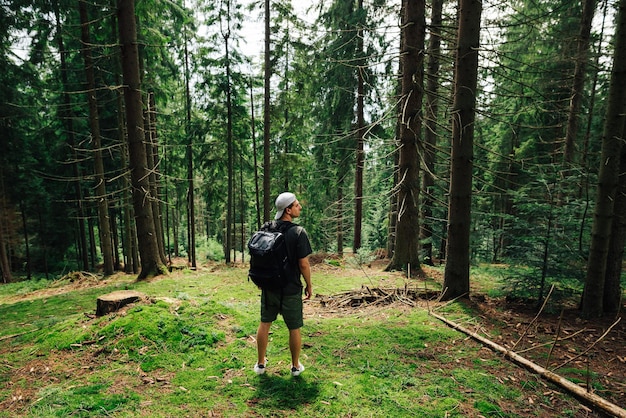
x: 298, y: 246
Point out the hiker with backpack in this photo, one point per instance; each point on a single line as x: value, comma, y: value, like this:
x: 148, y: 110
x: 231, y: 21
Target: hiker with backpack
x: 279, y: 256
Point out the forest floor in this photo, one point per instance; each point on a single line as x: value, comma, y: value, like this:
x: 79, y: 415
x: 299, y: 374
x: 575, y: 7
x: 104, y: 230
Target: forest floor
x: 590, y: 353
x: 582, y: 352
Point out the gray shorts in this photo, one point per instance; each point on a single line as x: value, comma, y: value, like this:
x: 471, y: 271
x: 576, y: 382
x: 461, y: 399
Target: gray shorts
x: 289, y: 306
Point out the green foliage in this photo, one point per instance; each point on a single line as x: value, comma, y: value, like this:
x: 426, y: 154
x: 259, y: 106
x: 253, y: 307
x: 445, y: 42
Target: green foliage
x: 209, y: 249
x: 333, y: 262
x: 363, y: 257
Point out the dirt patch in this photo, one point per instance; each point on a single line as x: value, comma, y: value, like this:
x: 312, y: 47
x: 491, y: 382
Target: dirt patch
x: 579, y: 350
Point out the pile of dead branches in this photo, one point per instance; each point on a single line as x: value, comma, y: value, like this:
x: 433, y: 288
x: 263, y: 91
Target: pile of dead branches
x: 77, y: 277
x: 376, y: 296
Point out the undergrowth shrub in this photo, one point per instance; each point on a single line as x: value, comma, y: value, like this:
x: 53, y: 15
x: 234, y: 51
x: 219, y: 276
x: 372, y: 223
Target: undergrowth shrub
x: 525, y: 285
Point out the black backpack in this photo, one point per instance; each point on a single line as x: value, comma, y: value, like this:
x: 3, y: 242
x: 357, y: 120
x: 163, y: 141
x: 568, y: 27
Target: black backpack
x: 270, y: 268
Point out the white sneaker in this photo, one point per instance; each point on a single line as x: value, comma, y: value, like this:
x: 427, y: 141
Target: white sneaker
x: 260, y: 368
x: 295, y: 371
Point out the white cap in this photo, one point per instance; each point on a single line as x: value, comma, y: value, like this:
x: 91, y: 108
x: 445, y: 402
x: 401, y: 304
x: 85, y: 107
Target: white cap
x: 282, y: 202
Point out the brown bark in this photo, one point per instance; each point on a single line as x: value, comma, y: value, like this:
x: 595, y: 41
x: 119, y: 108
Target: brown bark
x: 612, y: 279
x: 430, y: 134
x: 579, y: 80
x: 66, y: 115
x: 152, y: 151
x: 360, y: 133
x: 146, y: 235
x: 592, y: 301
x: 456, y: 276
x: 340, y: 217
x: 104, y: 226
x: 129, y: 234
x: 406, y: 251
x: 230, y: 217
x: 267, y: 208
x: 254, y: 154
x: 5, y: 266
x: 191, y: 206
x: 393, y: 199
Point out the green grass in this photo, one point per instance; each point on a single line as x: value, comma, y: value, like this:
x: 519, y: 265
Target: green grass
x: 191, y: 355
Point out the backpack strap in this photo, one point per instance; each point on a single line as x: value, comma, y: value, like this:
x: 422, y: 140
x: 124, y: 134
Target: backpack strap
x: 283, y: 227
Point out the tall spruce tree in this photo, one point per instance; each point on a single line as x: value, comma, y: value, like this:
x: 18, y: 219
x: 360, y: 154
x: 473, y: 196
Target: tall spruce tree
x: 151, y: 264
x: 406, y: 249
x: 104, y: 226
x: 593, y: 296
x: 456, y: 277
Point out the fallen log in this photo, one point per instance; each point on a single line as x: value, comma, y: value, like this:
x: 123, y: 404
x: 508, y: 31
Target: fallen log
x: 578, y: 391
x: 113, y: 301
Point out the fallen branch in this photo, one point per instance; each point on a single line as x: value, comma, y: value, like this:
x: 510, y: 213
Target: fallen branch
x: 367, y: 296
x: 578, y: 391
x: 451, y: 301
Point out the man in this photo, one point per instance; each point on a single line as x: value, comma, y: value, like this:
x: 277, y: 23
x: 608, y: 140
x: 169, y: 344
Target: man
x: 288, y: 302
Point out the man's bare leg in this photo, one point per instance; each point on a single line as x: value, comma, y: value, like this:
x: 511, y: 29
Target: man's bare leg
x: 295, y: 344
x: 262, y: 338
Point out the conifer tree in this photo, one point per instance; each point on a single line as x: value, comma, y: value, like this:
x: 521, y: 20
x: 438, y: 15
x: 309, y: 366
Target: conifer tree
x: 406, y: 249
x: 151, y: 264
x: 456, y: 278
x: 593, y: 296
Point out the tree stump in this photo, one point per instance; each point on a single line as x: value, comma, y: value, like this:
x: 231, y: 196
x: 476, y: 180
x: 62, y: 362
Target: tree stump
x: 115, y: 300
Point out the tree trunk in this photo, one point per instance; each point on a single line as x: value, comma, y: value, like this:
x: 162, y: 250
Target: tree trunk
x: 191, y: 209
x: 592, y: 101
x: 254, y: 155
x: 592, y: 301
x: 66, y: 115
x: 393, y: 199
x: 406, y: 250
x: 340, y: 216
x: 360, y: 132
x: 393, y: 207
x: 612, y: 282
x: 153, y: 166
x: 267, y: 208
x: 146, y: 235
x: 104, y: 227
x: 5, y: 265
x: 229, y: 142
x: 456, y: 276
x: 430, y: 134
x: 579, y: 80
x: 129, y: 234
x: 286, y: 149
x: 115, y: 214
x: 27, y: 242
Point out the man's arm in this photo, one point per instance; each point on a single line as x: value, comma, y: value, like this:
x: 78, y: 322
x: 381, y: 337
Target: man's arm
x: 305, y: 269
